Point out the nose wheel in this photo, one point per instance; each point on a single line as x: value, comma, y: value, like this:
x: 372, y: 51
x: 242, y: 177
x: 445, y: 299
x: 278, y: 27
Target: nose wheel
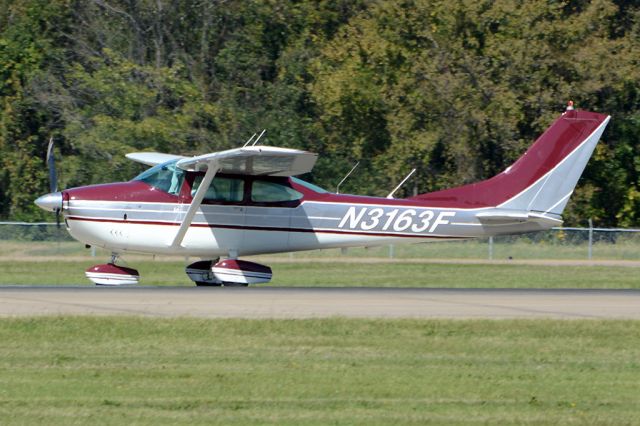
x: 110, y: 274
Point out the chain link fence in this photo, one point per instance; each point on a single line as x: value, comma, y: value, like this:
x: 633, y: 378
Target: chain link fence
x: 21, y: 239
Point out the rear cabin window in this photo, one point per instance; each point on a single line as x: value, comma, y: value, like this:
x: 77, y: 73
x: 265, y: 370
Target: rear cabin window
x: 263, y: 191
x: 222, y: 189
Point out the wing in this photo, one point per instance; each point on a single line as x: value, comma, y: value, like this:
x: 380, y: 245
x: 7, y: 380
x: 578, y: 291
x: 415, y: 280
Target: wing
x: 254, y: 160
x: 251, y: 160
x: 152, y: 158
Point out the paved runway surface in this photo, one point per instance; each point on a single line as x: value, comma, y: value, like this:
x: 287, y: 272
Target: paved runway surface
x: 273, y: 302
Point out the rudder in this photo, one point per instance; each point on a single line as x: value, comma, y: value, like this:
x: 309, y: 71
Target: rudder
x: 550, y: 193
x: 543, y: 178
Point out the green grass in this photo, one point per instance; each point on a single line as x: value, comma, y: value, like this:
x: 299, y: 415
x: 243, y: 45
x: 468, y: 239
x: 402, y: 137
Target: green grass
x: 454, y: 275
x: 627, y: 247
x: 547, y: 246
x: 81, y: 370
x: 351, y: 274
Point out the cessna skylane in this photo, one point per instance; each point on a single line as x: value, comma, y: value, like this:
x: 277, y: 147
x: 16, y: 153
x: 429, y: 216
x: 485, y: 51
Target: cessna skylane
x: 246, y: 201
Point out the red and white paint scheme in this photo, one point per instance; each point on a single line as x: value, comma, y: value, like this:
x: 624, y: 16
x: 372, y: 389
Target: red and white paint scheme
x: 247, y: 201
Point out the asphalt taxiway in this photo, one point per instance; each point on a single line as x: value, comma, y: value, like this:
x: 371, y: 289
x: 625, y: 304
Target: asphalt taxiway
x: 300, y: 302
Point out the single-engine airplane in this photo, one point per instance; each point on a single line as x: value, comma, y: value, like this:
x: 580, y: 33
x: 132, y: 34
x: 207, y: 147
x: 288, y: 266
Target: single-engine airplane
x: 247, y: 201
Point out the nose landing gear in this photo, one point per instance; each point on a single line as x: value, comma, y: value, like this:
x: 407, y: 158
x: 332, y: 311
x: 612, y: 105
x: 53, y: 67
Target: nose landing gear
x: 112, y: 274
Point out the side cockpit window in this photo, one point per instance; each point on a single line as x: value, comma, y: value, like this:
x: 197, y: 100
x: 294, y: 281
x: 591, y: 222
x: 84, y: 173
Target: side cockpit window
x: 165, y: 177
x: 222, y: 189
x: 264, y: 191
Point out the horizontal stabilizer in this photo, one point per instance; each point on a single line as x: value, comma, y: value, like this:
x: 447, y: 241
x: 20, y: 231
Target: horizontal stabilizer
x: 504, y: 217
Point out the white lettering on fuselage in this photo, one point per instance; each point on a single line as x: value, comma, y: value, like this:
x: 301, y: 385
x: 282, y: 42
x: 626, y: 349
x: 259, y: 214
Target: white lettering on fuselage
x: 398, y: 220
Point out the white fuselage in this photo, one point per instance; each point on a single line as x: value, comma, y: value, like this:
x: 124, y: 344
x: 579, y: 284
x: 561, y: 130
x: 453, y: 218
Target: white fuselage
x: 240, y: 230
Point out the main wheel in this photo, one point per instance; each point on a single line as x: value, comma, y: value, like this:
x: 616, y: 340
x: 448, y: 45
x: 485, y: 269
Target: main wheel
x: 228, y: 284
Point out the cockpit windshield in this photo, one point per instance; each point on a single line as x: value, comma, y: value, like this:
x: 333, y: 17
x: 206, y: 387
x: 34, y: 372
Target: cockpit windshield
x: 164, y: 177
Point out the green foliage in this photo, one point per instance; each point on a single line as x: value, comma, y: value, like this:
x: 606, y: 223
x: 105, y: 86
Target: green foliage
x: 29, y: 44
x: 124, y: 107
x: 460, y: 89
x: 456, y: 89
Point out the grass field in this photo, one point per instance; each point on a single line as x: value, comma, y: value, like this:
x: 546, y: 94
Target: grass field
x: 81, y: 370
x: 47, y: 262
x: 625, y: 247
x: 315, y: 273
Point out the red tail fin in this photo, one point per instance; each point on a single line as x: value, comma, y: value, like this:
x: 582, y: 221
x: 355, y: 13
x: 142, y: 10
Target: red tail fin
x: 521, y: 185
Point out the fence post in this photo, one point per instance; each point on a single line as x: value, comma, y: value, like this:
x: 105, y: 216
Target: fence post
x: 57, y: 240
x: 590, y: 239
x: 490, y: 248
x: 391, y: 251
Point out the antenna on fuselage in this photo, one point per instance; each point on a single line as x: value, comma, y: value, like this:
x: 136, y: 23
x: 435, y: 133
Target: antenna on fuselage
x: 258, y: 138
x: 249, y: 141
x: 345, y: 178
x: 401, y: 183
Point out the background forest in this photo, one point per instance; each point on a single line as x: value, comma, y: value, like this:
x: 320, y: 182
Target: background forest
x: 456, y: 89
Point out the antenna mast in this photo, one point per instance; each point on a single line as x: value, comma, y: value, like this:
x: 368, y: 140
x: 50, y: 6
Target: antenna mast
x: 401, y: 183
x: 249, y: 141
x: 345, y: 178
x: 258, y: 138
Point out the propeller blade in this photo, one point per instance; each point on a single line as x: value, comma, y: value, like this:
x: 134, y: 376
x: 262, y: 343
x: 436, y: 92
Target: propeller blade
x: 51, y: 164
x: 53, y: 176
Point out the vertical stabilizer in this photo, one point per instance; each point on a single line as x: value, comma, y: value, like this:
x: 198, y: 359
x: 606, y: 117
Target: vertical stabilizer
x: 543, y: 179
x: 551, y: 192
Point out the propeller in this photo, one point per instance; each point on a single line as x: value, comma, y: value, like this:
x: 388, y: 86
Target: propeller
x: 53, y: 176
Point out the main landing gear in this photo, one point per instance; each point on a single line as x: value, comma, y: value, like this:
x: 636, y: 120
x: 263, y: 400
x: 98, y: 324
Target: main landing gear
x: 228, y: 272
x: 212, y: 273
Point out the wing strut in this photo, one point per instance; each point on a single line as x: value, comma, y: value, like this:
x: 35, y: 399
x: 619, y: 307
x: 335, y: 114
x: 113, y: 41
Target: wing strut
x: 195, y: 203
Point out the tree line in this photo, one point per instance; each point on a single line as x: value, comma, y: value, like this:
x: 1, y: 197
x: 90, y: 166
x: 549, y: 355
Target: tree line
x: 457, y: 90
